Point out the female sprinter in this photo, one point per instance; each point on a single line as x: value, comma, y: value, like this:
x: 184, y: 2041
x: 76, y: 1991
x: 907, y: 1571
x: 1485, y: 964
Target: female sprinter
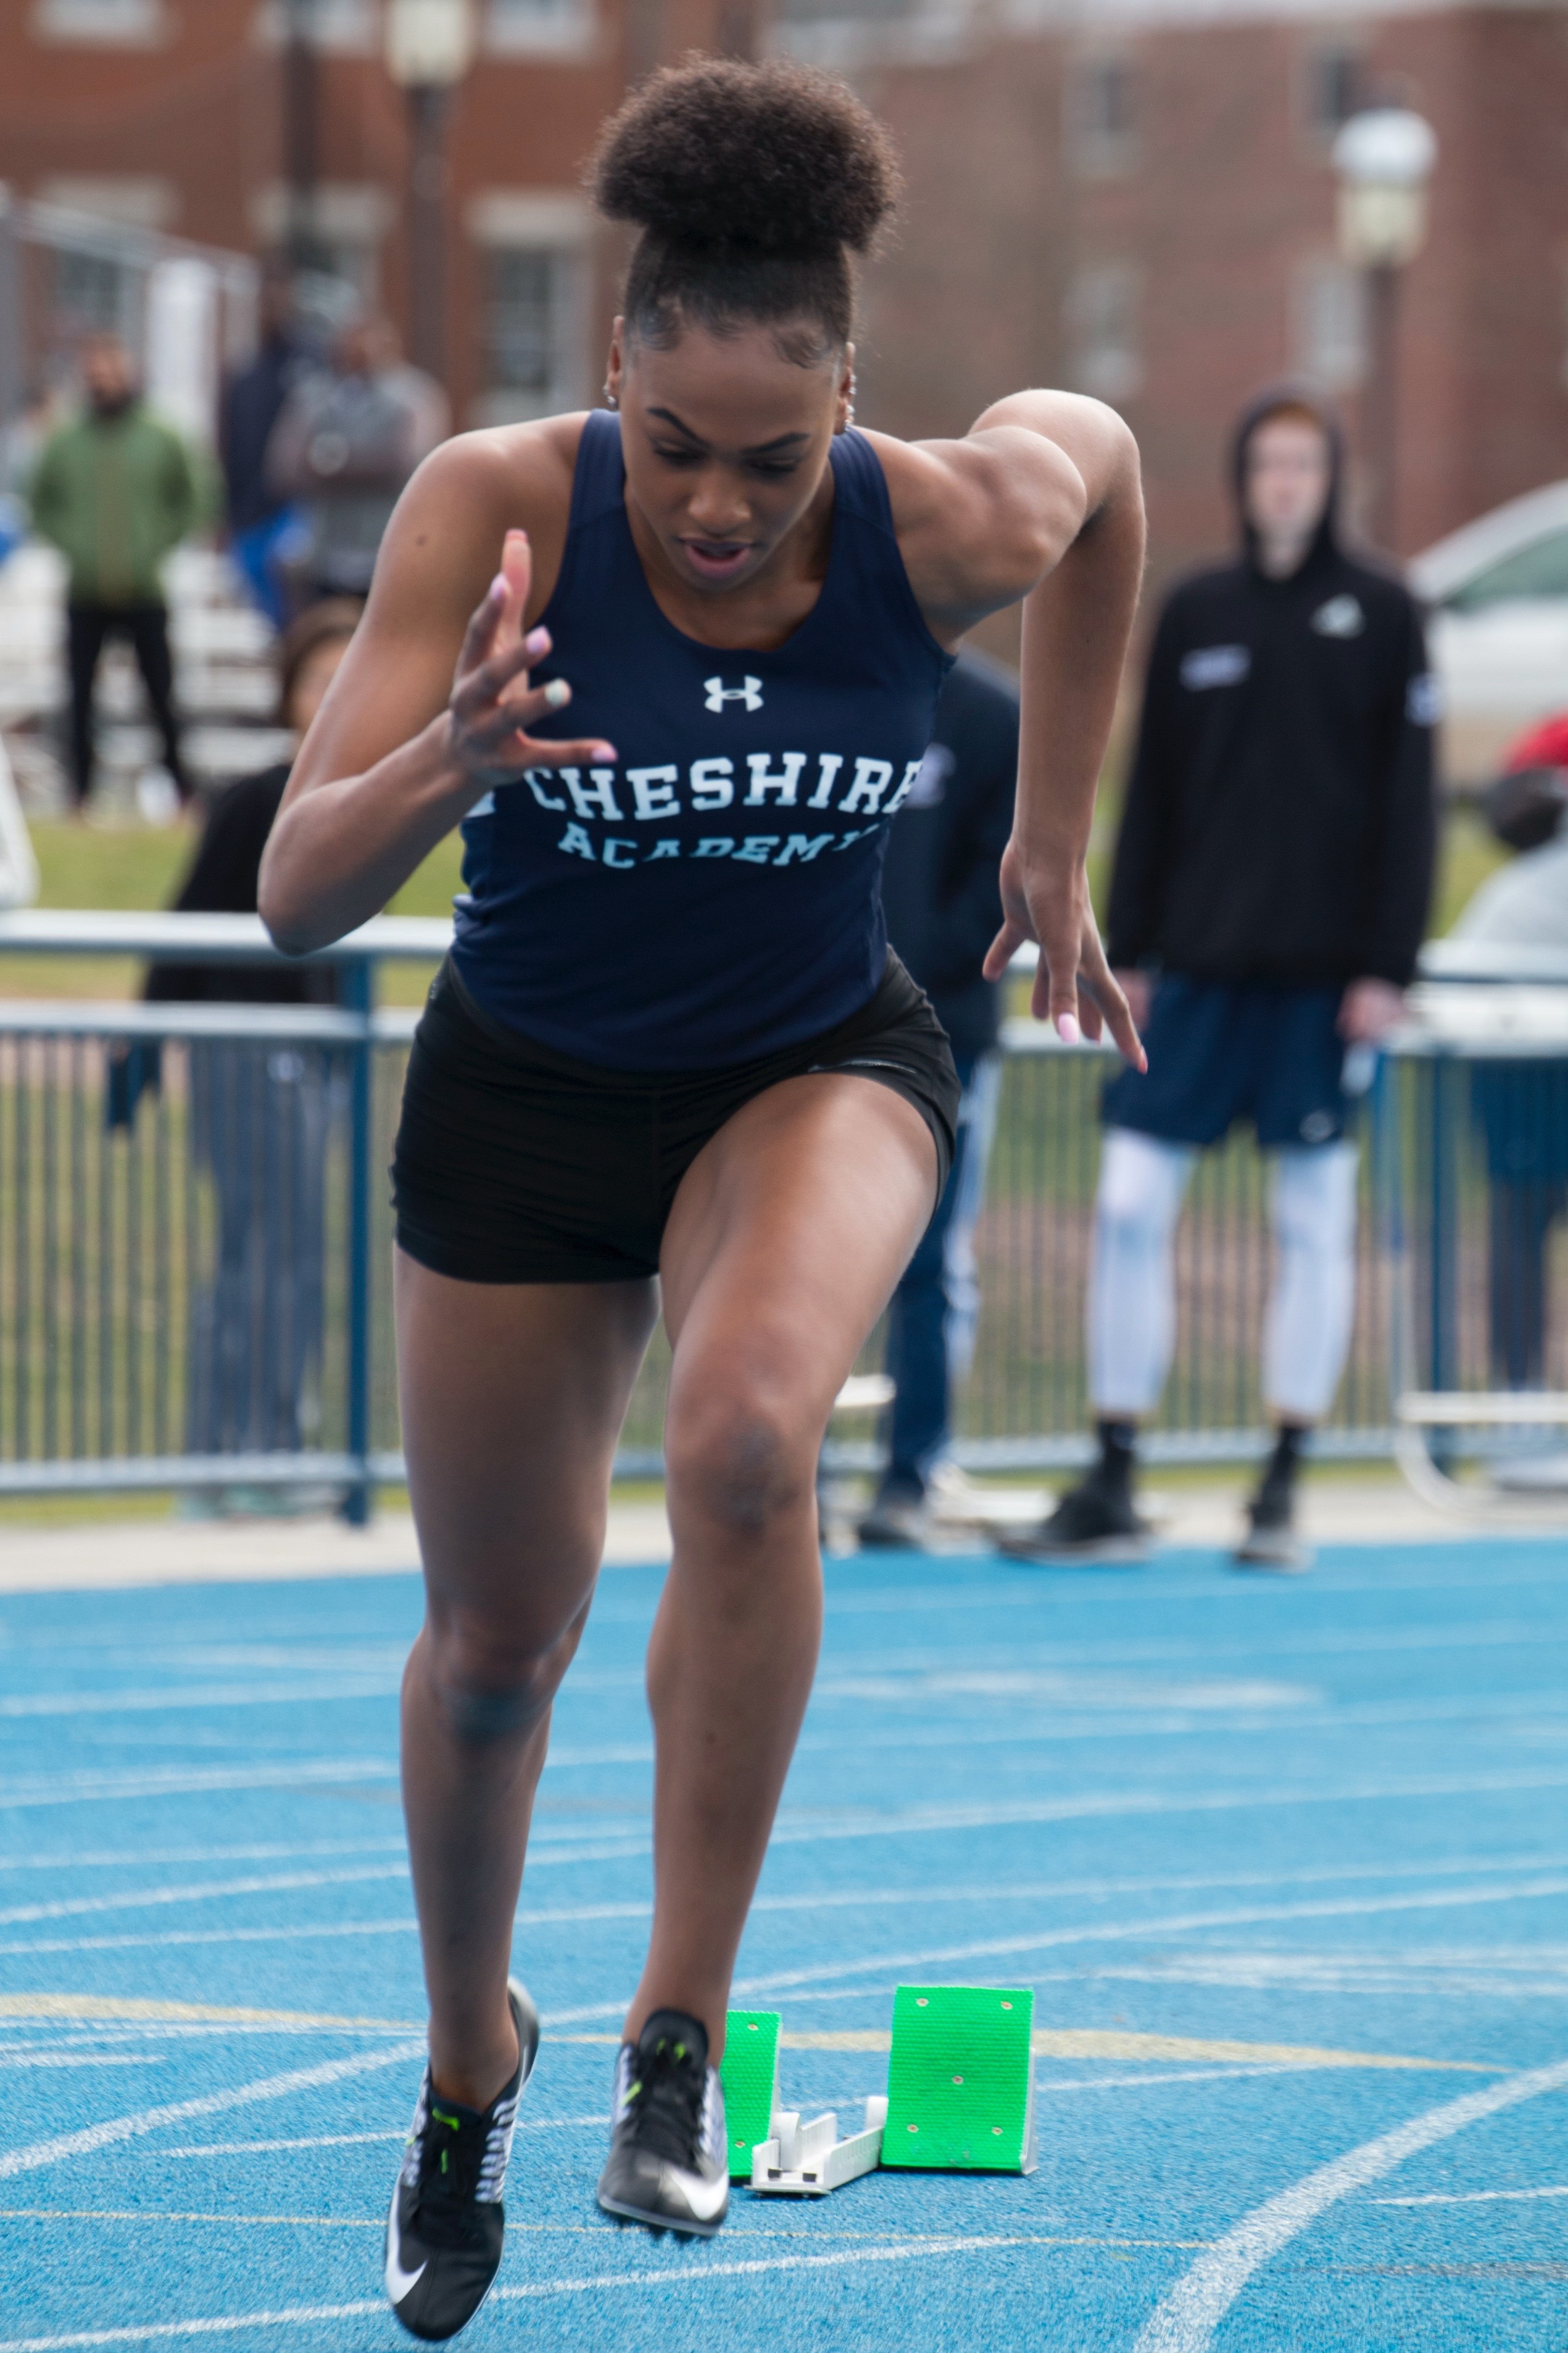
x: 670, y: 1042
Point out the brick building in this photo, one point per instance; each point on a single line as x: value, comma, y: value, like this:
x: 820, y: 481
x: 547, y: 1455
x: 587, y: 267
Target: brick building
x: 175, y: 115
x: 1134, y: 196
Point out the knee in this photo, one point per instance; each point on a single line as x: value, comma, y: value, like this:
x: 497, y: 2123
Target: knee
x: 742, y: 1461
x: 494, y: 1679
x: 1141, y: 1186
x: 1315, y: 1201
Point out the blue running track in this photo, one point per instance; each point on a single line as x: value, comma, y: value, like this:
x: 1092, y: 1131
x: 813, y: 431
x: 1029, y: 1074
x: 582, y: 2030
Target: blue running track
x: 1286, y: 1862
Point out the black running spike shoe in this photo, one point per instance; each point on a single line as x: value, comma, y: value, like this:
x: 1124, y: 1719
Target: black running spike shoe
x: 1094, y: 1521
x: 668, y: 2164
x: 1272, y: 1540
x: 445, y: 2230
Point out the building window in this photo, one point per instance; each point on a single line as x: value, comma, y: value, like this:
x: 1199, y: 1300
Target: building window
x: 531, y: 331
x: 116, y: 23
x: 1102, y: 113
x: 92, y: 296
x: 524, y: 27
x: 1329, y: 329
x: 1104, y: 348
x: 1333, y: 80
x: 344, y: 28
x: 131, y: 199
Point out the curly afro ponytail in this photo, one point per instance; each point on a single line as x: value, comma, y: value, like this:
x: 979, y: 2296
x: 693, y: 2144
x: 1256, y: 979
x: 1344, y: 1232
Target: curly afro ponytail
x: 752, y: 185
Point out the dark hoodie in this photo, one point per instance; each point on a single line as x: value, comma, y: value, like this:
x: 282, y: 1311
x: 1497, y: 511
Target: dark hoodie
x: 1279, y: 823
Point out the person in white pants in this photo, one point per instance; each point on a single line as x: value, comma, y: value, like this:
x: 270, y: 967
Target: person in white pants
x: 1306, y: 1324
x: 1269, y: 895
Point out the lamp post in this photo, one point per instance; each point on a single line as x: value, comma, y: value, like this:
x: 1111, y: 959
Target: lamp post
x: 430, y: 46
x: 300, y: 139
x: 1384, y: 159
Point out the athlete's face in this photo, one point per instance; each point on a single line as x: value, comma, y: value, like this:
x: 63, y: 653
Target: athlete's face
x: 726, y: 444
x: 1287, y: 476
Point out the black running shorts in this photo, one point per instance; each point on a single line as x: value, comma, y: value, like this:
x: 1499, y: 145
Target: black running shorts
x: 515, y: 1163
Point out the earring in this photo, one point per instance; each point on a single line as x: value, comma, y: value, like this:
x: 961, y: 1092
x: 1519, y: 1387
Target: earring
x: 849, y: 412
x: 612, y: 399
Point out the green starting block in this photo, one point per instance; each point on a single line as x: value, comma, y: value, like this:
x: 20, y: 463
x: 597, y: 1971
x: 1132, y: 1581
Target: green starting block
x: 770, y: 2146
x: 961, y: 2080
x: 750, y: 2075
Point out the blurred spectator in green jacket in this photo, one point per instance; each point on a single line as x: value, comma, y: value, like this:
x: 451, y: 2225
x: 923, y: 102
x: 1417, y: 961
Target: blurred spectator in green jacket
x: 115, y: 490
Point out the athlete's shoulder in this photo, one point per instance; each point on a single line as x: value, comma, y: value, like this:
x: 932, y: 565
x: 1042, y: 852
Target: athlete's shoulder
x: 510, y: 467
x: 977, y: 526
x: 444, y: 540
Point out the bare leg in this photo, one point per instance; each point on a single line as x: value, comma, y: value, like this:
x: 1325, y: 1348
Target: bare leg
x: 512, y: 1400
x: 786, y: 1239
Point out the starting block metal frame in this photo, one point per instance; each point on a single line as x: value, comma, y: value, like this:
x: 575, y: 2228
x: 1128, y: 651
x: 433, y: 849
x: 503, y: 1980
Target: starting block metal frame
x: 807, y: 2160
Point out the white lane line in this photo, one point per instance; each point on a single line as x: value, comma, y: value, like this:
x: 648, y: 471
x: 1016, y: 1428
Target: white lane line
x: 807, y: 1982
x: 795, y: 1828
x: 1182, y: 1924
x: 837, y: 1899
x: 1474, y: 2197
x: 137, y: 1899
x: 89, y: 2059
x: 116, y: 1858
x: 182, y: 1697
x: 89, y: 2035
x: 86, y: 2143
x: 256, y: 2147
x: 1159, y: 2078
x: 183, y: 1936
x: 1331, y: 1641
x: 179, y: 1782
x: 302, y: 2315
x: 356, y: 2140
x: 1114, y: 1697
x: 1186, y: 2318
x: 1275, y: 1972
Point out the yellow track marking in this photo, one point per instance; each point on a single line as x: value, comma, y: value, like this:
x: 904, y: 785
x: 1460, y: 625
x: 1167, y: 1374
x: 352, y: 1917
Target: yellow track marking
x: 109, y: 2009
x: 1069, y: 2043
x: 1093, y: 2043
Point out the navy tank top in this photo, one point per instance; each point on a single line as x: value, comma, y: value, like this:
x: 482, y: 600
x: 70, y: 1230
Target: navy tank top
x: 716, y: 895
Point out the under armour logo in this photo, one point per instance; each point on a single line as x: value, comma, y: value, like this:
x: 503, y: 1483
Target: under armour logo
x: 718, y: 694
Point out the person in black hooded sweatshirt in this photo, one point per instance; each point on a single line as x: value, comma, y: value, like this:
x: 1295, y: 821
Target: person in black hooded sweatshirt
x: 1270, y: 894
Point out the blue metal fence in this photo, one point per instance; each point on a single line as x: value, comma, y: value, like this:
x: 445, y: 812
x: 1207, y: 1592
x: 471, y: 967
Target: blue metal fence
x: 195, y: 1283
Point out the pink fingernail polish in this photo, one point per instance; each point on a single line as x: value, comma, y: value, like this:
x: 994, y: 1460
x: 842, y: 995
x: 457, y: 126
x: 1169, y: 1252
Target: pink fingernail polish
x: 1067, y: 1030
x: 498, y: 589
x: 537, y: 641
x: 605, y: 751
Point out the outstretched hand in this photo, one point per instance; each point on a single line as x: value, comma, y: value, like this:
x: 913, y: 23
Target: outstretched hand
x: 492, y: 706
x: 1048, y: 901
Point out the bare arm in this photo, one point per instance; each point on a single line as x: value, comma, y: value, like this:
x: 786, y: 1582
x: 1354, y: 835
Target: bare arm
x: 1041, y: 503
x: 431, y: 706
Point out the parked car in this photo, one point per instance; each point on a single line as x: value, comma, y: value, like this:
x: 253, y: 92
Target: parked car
x: 1499, y: 595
